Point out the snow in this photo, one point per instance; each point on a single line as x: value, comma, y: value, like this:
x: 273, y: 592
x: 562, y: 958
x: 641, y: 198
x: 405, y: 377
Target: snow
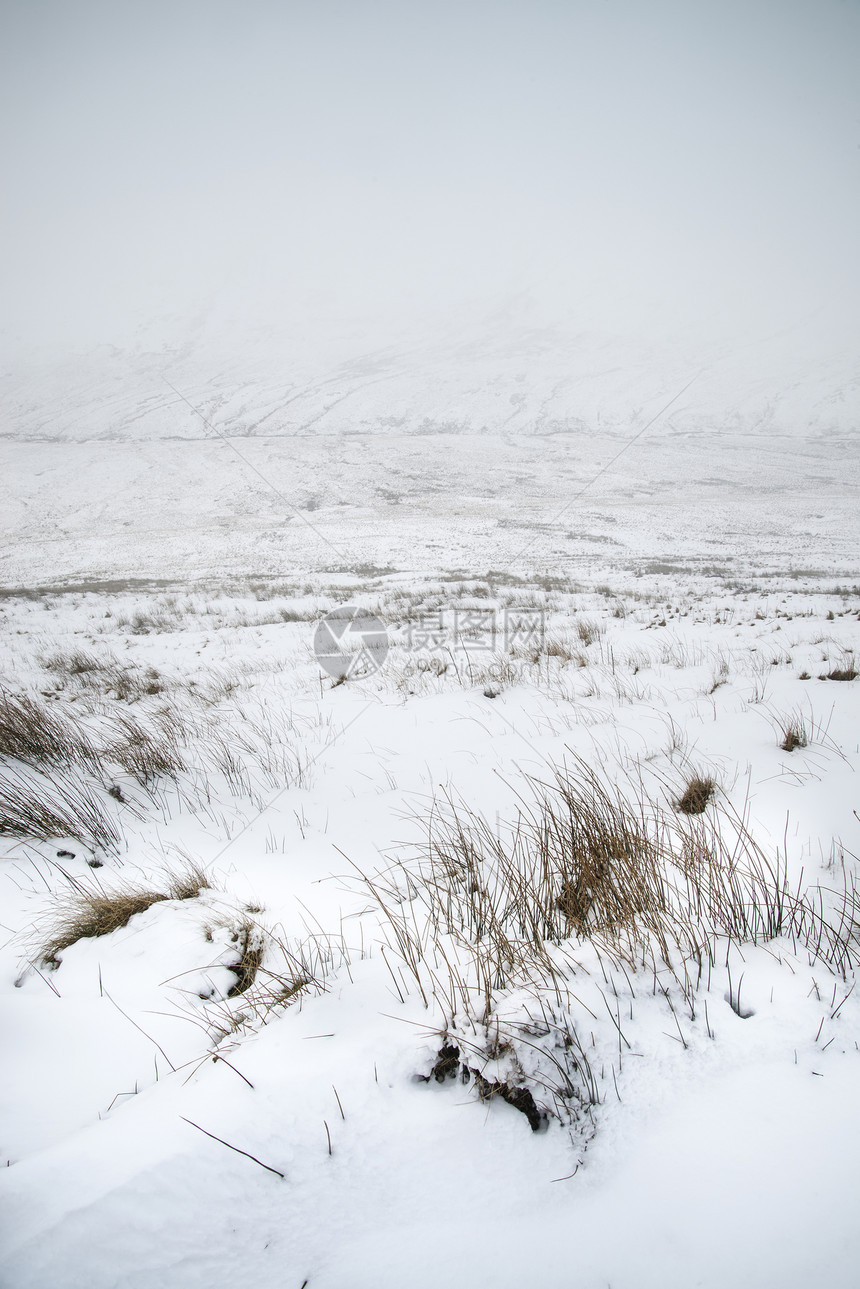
x: 530, y: 331
x: 722, y: 1147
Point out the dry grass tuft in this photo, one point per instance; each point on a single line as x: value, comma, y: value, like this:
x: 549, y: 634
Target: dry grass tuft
x: 483, y: 917
x: 30, y: 731
x: 52, y: 805
x: 188, y: 884
x: 696, y: 796
x: 87, y: 914
x: 250, y: 943
x: 589, y: 630
x: 587, y: 862
x: 795, y: 730
x: 149, y: 751
x: 552, y: 647
x: 794, y: 736
x: 103, y: 674
x: 271, y: 974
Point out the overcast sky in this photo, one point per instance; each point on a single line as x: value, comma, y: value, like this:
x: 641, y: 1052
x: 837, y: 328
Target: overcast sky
x: 676, y: 163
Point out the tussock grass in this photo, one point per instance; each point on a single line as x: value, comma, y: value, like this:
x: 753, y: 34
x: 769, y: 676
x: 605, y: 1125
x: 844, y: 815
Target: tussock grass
x: 38, y: 734
x: 697, y: 794
x: 794, y: 736
x: 480, y: 917
x: 793, y: 731
x: 152, y: 750
x: 554, y: 647
x: 54, y: 805
x: 188, y: 882
x: 585, y: 860
x: 156, y: 621
x: 42, y: 734
x: 86, y: 912
x: 250, y: 945
x: 62, y: 762
x: 77, y: 662
x: 272, y: 972
x: 499, y: 673
x: 799, y: 729
x: 589, y: 630
x: 105, y: 675
x: 67, y: 762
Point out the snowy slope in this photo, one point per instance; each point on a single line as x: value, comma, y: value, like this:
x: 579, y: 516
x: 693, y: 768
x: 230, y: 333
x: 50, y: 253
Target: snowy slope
x: 522, y: 339
x: 721, y: 1145
x: 492, y: 447
x: 531, y: 376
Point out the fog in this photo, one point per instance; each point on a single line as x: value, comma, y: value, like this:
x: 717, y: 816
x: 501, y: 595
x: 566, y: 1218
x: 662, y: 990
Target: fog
x: 681, y: 168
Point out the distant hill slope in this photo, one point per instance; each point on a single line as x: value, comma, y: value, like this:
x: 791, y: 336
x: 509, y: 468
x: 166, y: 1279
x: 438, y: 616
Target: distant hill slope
x: 496, y: 377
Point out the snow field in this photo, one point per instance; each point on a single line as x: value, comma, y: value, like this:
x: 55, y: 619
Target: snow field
x: 697, y: 1113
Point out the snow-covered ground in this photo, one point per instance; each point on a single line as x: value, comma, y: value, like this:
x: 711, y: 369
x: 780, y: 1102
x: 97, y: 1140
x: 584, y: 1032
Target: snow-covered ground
x: 692, y: 1072
x: 386, y: 945
x: 502, y: 446
x: 517, y: 945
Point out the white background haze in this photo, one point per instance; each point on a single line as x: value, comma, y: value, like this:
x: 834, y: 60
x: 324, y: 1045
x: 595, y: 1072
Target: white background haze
x: 678, y: 168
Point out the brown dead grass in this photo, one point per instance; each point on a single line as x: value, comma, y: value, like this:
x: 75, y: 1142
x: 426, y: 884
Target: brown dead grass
x: 245, y: 970
x: 794, y: 736
x: 84, y: 913
x: 696, y: 796
x: 89, y: 914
